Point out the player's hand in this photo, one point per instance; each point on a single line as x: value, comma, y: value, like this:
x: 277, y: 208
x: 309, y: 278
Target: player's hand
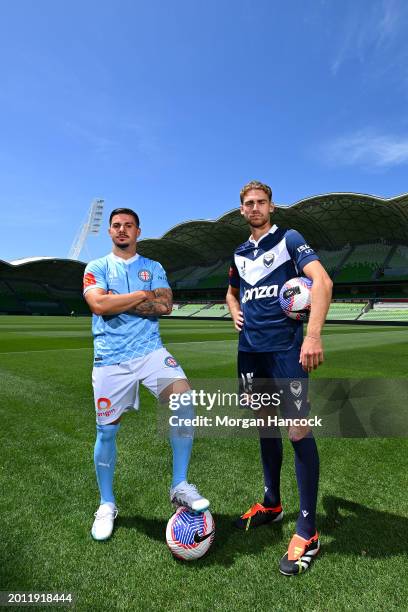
x: 238, y: 319
x: 149, y: 295
x: 311, y: 353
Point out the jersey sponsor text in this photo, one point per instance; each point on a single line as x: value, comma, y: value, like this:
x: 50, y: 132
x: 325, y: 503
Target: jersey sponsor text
x: 257, y: 293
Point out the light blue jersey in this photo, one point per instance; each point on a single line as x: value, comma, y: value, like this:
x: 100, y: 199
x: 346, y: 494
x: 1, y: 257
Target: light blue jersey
x: 122, y: 337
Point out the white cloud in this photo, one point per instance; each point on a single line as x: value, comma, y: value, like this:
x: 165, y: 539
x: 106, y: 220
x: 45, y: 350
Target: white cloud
x: 370, y: 34
x: 367, y: 148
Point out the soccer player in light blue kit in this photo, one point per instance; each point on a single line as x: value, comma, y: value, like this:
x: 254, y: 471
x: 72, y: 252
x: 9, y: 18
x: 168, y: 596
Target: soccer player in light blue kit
x: 126, y: 294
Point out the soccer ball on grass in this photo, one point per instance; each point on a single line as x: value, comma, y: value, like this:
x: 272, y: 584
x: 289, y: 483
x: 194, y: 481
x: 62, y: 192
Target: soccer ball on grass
x: 189, y: 535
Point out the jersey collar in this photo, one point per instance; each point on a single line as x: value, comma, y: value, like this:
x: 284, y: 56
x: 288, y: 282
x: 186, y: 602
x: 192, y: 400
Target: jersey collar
x: 271, y: 231
x: 124, y: 261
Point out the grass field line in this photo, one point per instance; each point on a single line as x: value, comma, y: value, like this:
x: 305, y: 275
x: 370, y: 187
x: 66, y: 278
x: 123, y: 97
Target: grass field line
x: 331, y: 344
x: 85, y: 348
x: 56, y: 350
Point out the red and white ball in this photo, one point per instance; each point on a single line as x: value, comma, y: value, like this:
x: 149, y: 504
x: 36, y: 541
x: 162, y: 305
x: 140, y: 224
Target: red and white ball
x: 189, y: 535
x: 295, y: 298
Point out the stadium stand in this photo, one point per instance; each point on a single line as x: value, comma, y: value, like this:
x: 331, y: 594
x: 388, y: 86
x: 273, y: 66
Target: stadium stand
x: 364, y: 261
x: 178, y: 275
x: 196, y: 276
x: 187, y: 310
x: 397, y: 266
x: 42, y: 286
x: 213, y: 310
x: 362, y: 240
x: 9, y: 300
x: 332, y: 260
x: 345, y: 311
x: 218, y: 277
x: 387, y: 311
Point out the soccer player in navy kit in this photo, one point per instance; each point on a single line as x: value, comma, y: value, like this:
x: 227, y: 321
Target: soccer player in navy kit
x: 127, y: 293
x: 271, y: 346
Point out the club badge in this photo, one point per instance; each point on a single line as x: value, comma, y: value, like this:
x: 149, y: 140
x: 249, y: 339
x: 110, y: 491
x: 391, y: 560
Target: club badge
x: 268, y: 260
x: 171, y: 362
x: 145, y: 275
x: 296, y: 387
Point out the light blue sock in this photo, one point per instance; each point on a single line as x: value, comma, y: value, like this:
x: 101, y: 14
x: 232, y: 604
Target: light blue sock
x: 181, y: 440
x: 105, y: 460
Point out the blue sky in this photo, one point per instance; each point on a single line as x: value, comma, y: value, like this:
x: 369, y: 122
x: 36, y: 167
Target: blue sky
x: 170, y: 107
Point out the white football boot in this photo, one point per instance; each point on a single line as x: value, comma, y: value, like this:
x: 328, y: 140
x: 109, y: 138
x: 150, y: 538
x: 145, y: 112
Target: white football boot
x: 103, y: 524
x: 185, y: 494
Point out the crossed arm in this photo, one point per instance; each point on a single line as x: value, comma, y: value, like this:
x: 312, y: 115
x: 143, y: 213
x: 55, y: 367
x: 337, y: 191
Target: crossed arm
x: 143, y: 303
x: 161, y: 304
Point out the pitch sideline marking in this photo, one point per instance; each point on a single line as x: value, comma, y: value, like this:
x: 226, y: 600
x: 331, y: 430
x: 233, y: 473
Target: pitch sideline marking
x: 330, y: 349
x: 91, y: 349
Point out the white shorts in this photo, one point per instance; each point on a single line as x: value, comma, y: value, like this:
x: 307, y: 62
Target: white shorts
x: 116, y: 387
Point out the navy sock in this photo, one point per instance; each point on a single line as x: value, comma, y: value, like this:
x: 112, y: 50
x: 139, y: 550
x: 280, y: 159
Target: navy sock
x: 271, y: 455
x: 307, y: 475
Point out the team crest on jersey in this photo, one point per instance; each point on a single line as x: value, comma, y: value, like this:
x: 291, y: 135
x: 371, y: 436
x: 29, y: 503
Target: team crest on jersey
x: 171, y: 362
x: 296, y: 387
x: 145, y: 275
x: 268, y: 259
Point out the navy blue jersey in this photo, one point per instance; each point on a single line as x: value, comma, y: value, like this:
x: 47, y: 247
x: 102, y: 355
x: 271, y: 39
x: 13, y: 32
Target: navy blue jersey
x: 259, y: 269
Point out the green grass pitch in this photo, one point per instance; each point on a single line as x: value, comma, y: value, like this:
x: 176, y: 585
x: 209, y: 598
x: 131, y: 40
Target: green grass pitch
x: 49, y: 492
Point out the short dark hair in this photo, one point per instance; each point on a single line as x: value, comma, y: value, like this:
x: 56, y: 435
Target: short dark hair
x: 124, y: 211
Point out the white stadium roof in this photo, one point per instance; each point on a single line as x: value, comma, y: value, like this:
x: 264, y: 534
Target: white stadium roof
x: 17, y: 262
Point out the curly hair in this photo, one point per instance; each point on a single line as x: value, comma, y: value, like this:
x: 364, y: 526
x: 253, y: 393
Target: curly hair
x: 255, y: 185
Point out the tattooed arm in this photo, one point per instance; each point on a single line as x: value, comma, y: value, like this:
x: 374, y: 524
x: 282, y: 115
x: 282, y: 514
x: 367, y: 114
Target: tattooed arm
x: 162, y: 304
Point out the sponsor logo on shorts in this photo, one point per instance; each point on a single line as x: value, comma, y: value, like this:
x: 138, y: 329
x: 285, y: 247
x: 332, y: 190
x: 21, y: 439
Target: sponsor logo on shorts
x: 104, y: 407
x: 171, y: 362
x: 296, y: 387
x: 145, y: 275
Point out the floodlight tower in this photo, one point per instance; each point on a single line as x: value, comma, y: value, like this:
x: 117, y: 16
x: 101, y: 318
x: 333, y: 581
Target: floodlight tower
x: 91, y: 226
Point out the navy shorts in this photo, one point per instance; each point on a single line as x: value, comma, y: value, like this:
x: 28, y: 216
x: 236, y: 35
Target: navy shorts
x: 276, y: 372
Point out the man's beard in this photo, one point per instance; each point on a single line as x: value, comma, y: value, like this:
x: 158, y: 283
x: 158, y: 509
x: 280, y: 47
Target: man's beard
x: 122, y: 245
x: 260, y: 222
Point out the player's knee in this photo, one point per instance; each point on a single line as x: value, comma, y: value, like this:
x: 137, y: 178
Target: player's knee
x: 183, y: 413
x: 297, y: 433
x: 106, y: 433
x: 175, y: 388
